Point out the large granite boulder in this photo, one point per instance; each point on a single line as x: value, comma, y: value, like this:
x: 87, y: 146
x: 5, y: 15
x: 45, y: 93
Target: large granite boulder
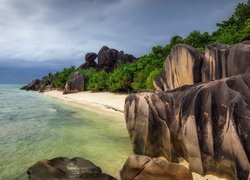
x: 143, y: 167
x: 123, y: 58
x: 208, y: 124
x: 90, y: 57
x: 75, y: 84
x: 89, y: 61
x: 186, y: 65
x: 214, y: 62
x: 33, y: 86
x: 182, y: 67
x: 223, y: 61
x: 108, y: 58
x: 64, y: 168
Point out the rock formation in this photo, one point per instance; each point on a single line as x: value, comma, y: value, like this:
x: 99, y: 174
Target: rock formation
x: 143, y: 167
x: 89, y: 61
x: 75, y: 84
x: 185, y: 65
x: 182, y: 67
x: 223, y: 61
x: 65, y: 168
x: 108, y: 59
x: 33, y: 86
x: 203, y: 117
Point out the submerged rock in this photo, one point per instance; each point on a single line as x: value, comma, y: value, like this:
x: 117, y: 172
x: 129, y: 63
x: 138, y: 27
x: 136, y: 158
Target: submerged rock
x: 64, y: 168
x: 144, y: 167
x: 75, y: 84
x: 208, y: 124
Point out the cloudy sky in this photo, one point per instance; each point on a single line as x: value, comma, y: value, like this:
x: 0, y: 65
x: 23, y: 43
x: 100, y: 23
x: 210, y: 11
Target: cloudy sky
x: 38, y: 36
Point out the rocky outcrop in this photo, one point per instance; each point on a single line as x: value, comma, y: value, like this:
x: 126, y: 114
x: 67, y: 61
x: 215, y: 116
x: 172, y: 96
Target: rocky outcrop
x: 143, y: 167
x: 107, y: 58
x: 182, y: 67
x: 186, y: 65
x: 90, y: 57
x: 89, y: 61
x: 33, y: 86
x: 214, y: 62
x: 65, y: 168
x: 201, y: 111
x: 223, y: 61
x: 75, y: 84
x: 208, y: 124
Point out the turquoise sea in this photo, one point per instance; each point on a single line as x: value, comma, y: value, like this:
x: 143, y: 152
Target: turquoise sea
x: 35, y: 127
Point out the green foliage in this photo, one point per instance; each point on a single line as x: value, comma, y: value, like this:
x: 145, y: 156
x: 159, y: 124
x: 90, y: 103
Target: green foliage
x: 98, y: 81
x: 236, y: 28
x: 198, y: 40
x: 131, y: 77
x: 87, y: 74
x: 151, y: 77
x: 121, y: 78
x: 60, y: 78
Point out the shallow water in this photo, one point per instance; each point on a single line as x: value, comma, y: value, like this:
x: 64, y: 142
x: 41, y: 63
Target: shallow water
x: 34, y: 127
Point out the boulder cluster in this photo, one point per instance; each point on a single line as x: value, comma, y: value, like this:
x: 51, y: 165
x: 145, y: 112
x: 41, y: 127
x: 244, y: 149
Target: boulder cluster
x: 200, y: 113
x: 65, y: 168
x: 107, y: 59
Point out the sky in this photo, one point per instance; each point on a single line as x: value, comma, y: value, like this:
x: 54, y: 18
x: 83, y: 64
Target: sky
x: 41, y: 36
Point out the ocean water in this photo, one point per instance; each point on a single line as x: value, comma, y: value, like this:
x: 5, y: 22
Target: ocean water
x: 35, y: 127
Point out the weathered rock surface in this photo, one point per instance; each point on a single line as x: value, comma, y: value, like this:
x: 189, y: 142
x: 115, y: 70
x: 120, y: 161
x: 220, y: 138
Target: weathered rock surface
x: 214, y: 62
x: 90, y: 57
x: 64, y: 168
x: 208, y: 124
x: 182, y: 67
x: 143, y: 167
x: 110, y: 58
x: 107, y: 58
x: 33, y: 86
x: 186, y: 65
x: 75, y: 84
x: 223, y: 61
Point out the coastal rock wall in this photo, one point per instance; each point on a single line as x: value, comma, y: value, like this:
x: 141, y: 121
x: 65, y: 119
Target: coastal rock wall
x: 207, y: 124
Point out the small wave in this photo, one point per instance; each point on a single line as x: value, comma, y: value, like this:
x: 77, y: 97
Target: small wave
x: 52, y: 110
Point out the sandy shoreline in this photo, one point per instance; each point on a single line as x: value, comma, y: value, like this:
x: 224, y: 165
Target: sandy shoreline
x: 109, y: 104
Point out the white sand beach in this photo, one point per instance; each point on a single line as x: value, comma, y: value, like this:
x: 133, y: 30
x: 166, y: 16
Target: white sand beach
x: 110, y: 104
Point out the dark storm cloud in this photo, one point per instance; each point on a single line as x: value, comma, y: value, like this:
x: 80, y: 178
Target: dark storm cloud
x: 45, y: 33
